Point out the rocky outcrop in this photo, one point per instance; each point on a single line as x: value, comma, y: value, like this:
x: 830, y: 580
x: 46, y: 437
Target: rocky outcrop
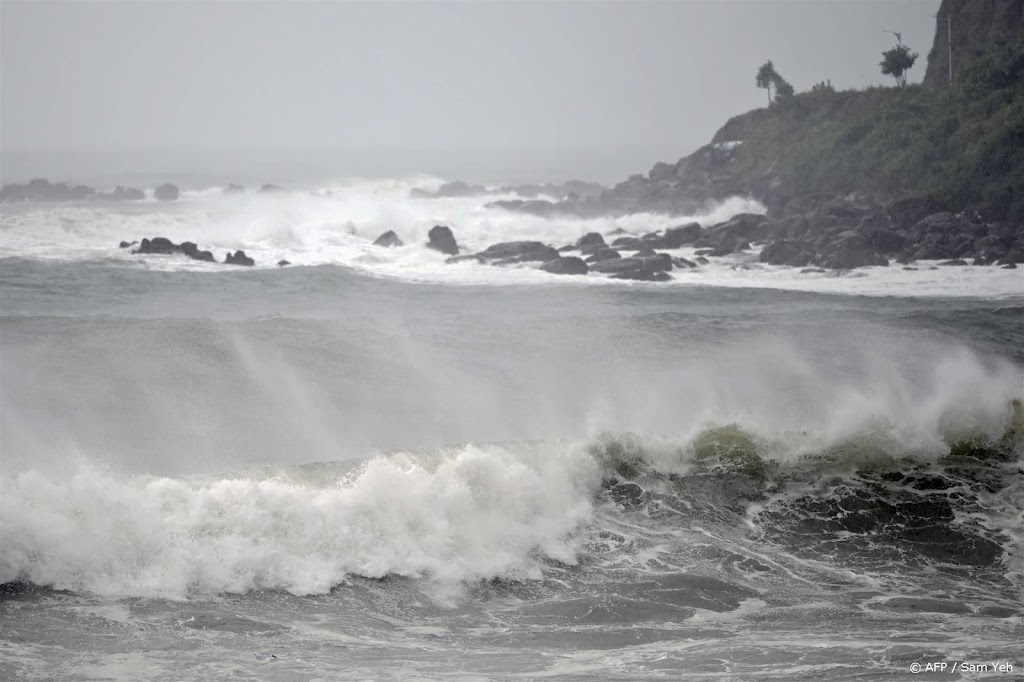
x: 568, y: 265
x: 164, y: 246
x: 440, y: 238
x: 238, y: 258
x: 518, y: 252
x: 388, y: 239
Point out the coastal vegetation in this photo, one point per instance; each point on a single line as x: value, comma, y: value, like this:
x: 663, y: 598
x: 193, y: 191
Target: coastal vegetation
x: 962, y: 145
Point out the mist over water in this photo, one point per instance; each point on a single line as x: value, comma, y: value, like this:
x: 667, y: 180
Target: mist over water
x: 426, y: 460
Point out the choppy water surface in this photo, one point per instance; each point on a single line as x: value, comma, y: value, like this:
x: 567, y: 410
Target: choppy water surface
x: 374, y: 465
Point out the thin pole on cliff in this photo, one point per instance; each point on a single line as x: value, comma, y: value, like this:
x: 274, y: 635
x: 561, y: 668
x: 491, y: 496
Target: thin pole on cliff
x: 949, y: 43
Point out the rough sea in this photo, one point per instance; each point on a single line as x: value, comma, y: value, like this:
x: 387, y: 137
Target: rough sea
x: 373, y: 465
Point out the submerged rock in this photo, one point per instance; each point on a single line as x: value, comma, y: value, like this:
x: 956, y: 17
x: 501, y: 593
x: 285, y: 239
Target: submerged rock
x: 388, y: 239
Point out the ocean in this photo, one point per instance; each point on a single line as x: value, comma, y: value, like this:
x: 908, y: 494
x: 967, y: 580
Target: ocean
x: 372, y: 464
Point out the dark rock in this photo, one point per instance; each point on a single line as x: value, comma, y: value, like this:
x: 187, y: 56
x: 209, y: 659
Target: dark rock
x: 885, y: 241
x: 701, y: 260
x: 1008, y: 266
x: 160, y: 245
x: 569, y: 265
x: 125, y: 245
x: 166, y: 192
x: 678, y: 236
x: 811, y: 271
x: 122, y: 194
x: 785, y: 252
x: 281, y: 263
x: 749, y: 226
x: 604, y: 254
x: 42, y: 190
x: 388, y: 239
x: 636, y: 267
x: 591, y: 243
x: 192, y: 251
x: 629, y: 243
x: 519, y: 252
x: 728, y: 246
x: 627, y: 494
x: 238, y: 258
x: 907, y: 211
x: 848, y: 259
x: 680, y: 262
x: 440, y: 238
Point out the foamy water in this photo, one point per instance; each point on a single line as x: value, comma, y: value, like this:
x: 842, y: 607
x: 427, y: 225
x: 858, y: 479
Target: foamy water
x: 336, y: 225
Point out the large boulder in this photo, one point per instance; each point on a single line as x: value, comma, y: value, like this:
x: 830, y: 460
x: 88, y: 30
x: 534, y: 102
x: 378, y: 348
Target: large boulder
x: 749, y: 226
x: 569, y: 265
x: 907, y: 211
x: 440, y: 238
x: 166, y: 192
x: 591, y: 243
x: 388, y: 239
x: 786, y: 252
x: 678, y: 236
x: 519, y: 252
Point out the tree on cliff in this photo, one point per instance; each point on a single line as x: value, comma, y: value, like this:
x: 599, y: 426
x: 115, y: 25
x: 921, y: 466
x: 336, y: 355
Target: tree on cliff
x: 766, y: 77
x: 896, y: 62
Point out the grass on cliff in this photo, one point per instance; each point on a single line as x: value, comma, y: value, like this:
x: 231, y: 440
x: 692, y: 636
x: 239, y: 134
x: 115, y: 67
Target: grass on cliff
x: 963, y: 143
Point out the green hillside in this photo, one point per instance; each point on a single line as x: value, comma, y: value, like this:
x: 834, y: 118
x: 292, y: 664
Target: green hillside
x: 963, y: 144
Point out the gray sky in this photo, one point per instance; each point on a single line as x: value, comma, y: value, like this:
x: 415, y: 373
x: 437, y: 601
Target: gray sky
x: 390, y: 88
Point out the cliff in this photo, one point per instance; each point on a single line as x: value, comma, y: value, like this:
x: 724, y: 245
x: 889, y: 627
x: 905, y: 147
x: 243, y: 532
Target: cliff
x: 972, y: 28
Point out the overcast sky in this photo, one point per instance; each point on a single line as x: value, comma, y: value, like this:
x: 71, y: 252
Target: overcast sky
x: 617, y: 85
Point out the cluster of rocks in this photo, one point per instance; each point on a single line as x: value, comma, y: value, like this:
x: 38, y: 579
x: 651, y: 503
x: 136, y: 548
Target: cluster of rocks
x: 42, y: 190
x: 825, y: 233
x: 842, y: 233
x: 162, y: 245
x: 644, y: 263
